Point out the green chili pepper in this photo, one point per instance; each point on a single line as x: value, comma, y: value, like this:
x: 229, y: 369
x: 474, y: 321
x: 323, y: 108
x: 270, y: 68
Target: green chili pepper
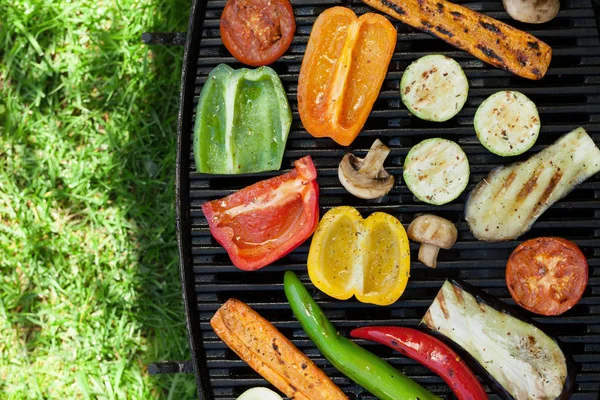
x: 363, y: 367
x: 242, y: 121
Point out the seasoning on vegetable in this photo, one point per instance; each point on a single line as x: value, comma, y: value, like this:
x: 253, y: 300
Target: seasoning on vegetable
x: 432, y: 353
x: 433, y: 233
x: 486, y: 38
x: 547, y: 275
x: 367, y: 258
x: 517, y: 359
x: 365, y: 177
x: 265, y: 221
x: 242, y: 122
x: 256, y: 341
x: 342, y: 72
x: 257, y: 32
x: 363, y: 367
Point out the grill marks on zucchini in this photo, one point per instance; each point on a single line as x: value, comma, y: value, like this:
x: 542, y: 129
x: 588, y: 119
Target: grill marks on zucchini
x: 488, y: 39
x: 509, y: 200
x: 434, y: 88
x: 507, y: 123
x: 436, y: 171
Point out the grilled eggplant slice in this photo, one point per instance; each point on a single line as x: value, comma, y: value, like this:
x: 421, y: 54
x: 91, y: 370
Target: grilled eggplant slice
x: 517, y: 359
x: 506, y: 203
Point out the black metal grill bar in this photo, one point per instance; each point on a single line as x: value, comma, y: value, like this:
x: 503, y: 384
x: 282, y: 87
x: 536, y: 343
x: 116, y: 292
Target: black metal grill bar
x: 567, y: 97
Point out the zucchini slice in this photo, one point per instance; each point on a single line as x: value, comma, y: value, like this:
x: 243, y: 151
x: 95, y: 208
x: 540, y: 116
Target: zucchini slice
x: 434, y: 88
x: 507, y: 123
x: 516, y: 358
x: 259, y: 393
x: 436, y: 171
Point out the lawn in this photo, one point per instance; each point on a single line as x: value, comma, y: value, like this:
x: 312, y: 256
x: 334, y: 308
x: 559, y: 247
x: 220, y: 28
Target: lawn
x: 89, y: 285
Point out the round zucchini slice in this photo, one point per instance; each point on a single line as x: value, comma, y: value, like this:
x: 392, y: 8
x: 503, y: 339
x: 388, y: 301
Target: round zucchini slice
x: 436, y: 171
x: 434, y: 88
x: 507, y: 123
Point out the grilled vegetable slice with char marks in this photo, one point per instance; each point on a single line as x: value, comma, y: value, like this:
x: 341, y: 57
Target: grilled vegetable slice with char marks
x: 506, y: 203
x: 484, y: 37
x: 434, y: 88
x: 436, y: 171
x: 507, y: 123
x: 271, y: 354
x: 518, y: 359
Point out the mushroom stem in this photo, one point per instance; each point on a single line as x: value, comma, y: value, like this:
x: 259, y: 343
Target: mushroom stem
x: 428, y: 254
x: 372, y: 164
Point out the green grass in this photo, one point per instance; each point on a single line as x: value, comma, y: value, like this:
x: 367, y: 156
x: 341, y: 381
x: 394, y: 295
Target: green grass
x: 89, y: 287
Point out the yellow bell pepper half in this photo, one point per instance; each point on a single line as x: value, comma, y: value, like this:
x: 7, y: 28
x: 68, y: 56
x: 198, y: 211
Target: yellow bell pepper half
x: 368, y: 258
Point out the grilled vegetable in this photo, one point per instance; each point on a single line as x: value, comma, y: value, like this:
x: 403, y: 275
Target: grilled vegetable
x: 518, y: 360
x: 242, y: 122
x: 432, y: 353
x: 259, y: 393
x: 507, y: 123
x: 363, y: 367
x: 271, y: 354
x: 265, y: 221
x: 433, y: 233
x: 436, y: 171
x: 547, y: 275
x: 507, y: 202
x: 434, y: 88
x: 532, y: 11
x: 486, y: 38
x: 257, y: 32
x: 368, y: 258
x: 342, y: 72
x: 366, y: 178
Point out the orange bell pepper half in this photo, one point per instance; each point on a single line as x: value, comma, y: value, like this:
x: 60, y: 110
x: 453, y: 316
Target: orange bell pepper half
x: 342, y: 72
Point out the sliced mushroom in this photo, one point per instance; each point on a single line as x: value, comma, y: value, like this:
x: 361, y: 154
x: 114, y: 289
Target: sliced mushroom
x: 366, y: 178
x: 433, y: 233
x: 532, y: 11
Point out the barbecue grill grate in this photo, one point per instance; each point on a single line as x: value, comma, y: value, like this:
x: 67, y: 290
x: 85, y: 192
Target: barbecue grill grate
x: 567, y: 97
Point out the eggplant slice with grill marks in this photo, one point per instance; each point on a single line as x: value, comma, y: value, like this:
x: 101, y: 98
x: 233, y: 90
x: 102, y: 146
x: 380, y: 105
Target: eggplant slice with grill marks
x: 516, y: 358
x: 506, y: 203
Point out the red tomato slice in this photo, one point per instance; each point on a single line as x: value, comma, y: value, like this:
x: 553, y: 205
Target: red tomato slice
x: 547, y: 275
x: 257, y: 32
x: 265, y: 221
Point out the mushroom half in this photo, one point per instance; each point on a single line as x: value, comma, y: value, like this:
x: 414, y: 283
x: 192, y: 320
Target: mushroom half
x: 434, y: 233
x: 532, y: 11
x: 366, y: 178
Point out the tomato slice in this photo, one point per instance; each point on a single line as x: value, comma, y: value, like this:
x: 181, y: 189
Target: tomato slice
x: 257, y: 32
x: 547, y: 275
x: 265, y: 221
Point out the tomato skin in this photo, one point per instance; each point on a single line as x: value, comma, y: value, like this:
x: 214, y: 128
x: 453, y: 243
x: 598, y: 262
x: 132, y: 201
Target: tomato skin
x: 257, y: 32
x: 265, y: 221
x: 547, y: 275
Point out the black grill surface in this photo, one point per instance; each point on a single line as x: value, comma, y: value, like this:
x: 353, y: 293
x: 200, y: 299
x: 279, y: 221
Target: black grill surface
x: 569, y: 96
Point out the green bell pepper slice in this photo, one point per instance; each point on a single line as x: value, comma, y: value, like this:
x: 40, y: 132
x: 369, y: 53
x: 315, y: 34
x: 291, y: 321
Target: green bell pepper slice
x: 242, y: 121
x: 358, y: 364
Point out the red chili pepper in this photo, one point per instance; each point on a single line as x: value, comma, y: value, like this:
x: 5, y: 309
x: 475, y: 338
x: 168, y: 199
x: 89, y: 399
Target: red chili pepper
x: 265, y: 221
x: 430, y: 352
